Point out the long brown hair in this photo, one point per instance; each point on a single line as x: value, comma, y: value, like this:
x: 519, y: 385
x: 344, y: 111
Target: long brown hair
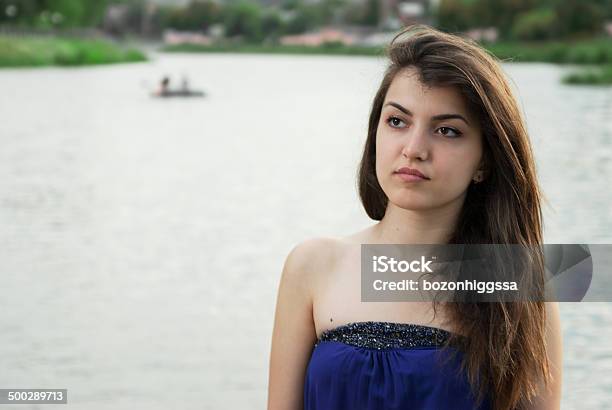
x: 505, y: 352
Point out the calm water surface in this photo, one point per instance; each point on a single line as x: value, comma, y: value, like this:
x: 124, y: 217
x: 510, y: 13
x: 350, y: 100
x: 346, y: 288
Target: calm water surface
x: 142, y: 240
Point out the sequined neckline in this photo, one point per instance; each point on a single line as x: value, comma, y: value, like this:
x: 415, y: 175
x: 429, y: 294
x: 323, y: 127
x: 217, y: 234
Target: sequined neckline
x: 386, y: 335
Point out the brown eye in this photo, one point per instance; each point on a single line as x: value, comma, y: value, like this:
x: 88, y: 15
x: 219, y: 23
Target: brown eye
x: 453, y: 132
x: 395, y: 122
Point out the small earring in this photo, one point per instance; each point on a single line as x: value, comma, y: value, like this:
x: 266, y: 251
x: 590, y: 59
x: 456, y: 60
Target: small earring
x: 477, y: 178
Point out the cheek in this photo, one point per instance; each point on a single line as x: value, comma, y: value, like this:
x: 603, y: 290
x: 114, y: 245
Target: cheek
x: 457, y: 167
x: 384, y: 154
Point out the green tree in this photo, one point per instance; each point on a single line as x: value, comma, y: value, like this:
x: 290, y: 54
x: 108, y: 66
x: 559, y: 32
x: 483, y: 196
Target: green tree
x: 538, y: 24
x: 272, y: 26
x: 305, y: 17
x: 20, y: 12
x: 579, y: 17
x: 243, y: 18
x: 527, y: 19
x: 299, y: 23
x: 503, y: 13
x: 53, y: 13
x: 366, y: 13
x: 456, y: 15
x: 66, y: 13
x: 372, y: 14
x: 197, y: 15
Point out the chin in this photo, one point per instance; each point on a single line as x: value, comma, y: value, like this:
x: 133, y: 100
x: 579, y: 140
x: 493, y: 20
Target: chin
x: 412, y: 202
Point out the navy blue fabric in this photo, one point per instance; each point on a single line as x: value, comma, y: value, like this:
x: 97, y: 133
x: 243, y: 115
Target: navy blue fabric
x: 342, y: 376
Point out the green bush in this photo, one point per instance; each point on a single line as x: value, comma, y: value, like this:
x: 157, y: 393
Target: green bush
x: 45, y: 51
x: 600, y: 76
x: 595, y: 51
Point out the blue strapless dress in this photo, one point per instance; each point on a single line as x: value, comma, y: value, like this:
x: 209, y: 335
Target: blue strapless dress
x: 385, y: 365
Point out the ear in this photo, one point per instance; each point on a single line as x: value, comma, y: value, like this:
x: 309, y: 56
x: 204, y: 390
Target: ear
x: 483, y: 169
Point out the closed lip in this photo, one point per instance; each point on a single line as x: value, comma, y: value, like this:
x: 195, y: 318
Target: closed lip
x: 410, y: 171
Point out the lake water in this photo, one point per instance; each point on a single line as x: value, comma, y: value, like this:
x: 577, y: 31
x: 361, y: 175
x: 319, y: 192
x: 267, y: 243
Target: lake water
x: 142, y: 239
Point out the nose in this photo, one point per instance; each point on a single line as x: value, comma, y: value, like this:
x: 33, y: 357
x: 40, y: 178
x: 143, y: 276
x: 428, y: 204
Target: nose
x: 416, y: 145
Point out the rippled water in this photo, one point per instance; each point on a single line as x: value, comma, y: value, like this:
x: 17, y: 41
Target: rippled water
x: 142, y: 240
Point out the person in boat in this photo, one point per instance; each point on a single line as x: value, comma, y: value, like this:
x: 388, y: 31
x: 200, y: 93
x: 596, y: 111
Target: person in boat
x: 184, y: 91
x: 163, y: 86
x: 185, y: 84
x: 447, y: 160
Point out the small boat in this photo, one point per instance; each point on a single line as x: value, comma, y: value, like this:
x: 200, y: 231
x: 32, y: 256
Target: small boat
x: 179, y: 93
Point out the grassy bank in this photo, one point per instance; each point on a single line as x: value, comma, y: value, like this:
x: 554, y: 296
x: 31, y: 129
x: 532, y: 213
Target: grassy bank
x: 47, y: 51
x: 594, y: 76
x: 326, y: 49
x: 596, y: 51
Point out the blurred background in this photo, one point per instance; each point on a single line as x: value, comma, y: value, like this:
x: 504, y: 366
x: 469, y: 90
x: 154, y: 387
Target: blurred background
x: 147, y: 206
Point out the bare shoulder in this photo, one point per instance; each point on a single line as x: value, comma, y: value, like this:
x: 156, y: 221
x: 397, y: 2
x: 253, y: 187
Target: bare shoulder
x: 313, y: 255
x: 294, y: 331
x: 325, y: 252
x: 317, y: 257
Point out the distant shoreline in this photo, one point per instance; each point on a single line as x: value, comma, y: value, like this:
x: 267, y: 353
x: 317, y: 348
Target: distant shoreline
x: 44, y: 51
x: 325, y: 49
x: 595, y: 51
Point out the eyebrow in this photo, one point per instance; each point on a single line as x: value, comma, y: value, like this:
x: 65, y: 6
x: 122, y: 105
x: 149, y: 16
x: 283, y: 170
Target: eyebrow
x: 435, y: 117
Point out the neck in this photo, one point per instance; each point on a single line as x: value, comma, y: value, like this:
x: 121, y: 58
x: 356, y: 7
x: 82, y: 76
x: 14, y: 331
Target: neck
x: 406, y: 226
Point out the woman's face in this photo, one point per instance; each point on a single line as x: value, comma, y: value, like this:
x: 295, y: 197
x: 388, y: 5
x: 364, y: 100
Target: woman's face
x: 428, y: 130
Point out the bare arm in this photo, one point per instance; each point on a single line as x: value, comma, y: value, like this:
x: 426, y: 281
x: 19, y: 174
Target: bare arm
x: 294, y: 331
x: 550, y: 399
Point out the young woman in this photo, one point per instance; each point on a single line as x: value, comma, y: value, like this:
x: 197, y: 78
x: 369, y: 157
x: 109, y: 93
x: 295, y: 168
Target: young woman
x: 447, y: 160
